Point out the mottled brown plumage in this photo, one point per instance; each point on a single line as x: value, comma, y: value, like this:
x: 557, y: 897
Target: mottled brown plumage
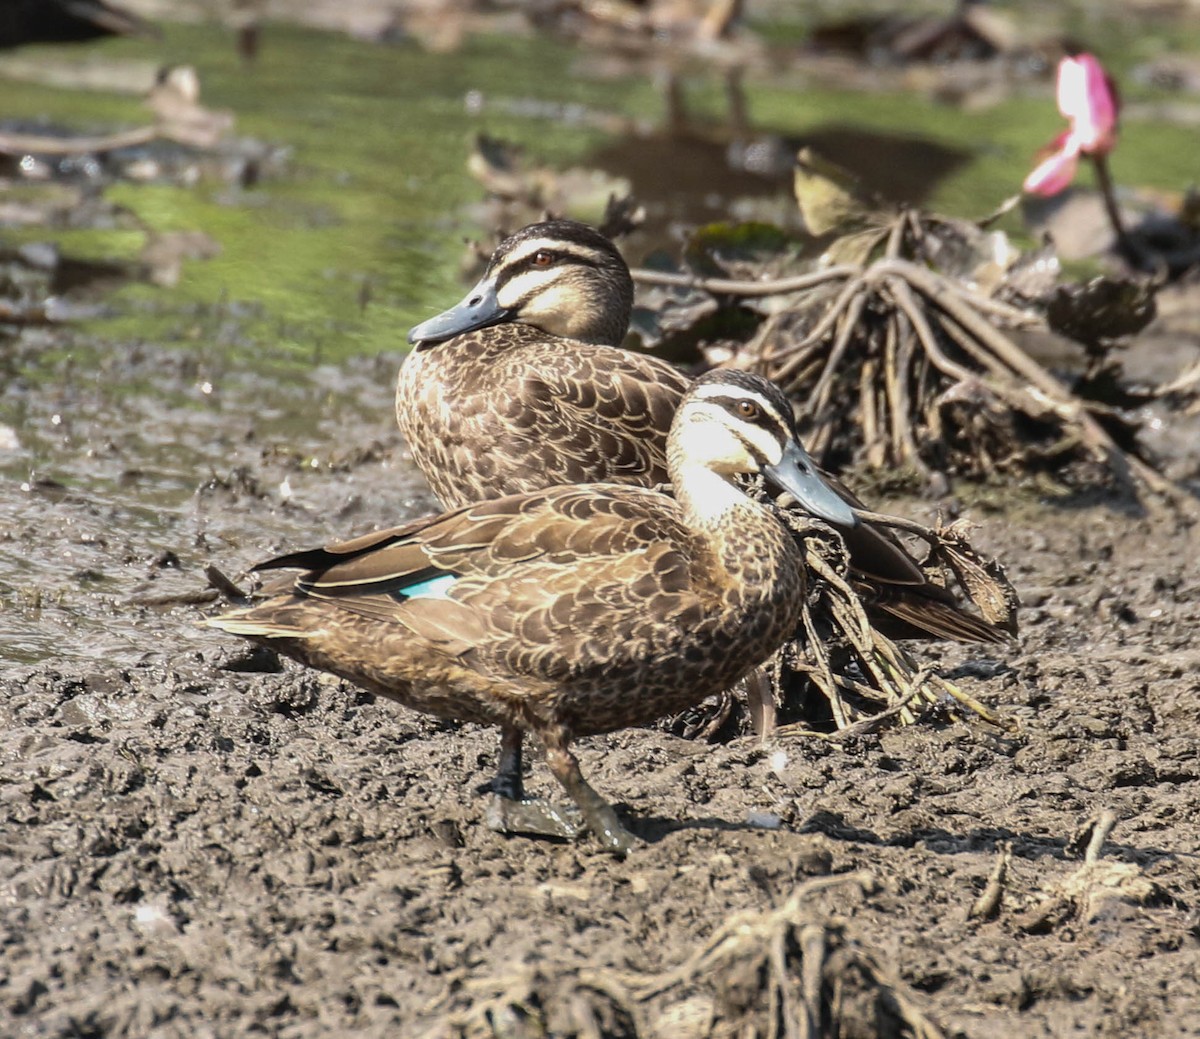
x: 571, y: 610
x: 496, y: 412
x: 524, y: 385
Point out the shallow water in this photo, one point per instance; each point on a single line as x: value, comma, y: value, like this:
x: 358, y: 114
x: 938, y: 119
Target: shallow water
x: 359, y: 235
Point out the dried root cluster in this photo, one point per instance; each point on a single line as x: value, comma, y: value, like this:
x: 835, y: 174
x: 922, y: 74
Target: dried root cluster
x: 791, y: 972
x: 864, y: 677
x: 902, y: 361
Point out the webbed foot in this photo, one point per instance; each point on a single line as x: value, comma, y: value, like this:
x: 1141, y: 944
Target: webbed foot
x: 533, y: 816
x: 600, y: 816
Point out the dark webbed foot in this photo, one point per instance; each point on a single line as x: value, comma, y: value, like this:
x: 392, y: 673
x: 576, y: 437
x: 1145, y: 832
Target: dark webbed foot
x: 533, y: 816
x: 510, y: 811
x: 509, y: 781
x: 600, y: 816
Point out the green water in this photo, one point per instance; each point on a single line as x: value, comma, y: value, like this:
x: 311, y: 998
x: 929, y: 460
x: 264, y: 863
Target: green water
x: 376, y: 200
x: 374, y: 192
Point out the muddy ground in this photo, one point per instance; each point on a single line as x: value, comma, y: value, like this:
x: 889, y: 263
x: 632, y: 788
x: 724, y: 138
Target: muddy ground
x: 187, y: 850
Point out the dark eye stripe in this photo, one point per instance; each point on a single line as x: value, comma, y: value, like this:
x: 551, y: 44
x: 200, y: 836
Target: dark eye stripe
x: 766, y: 417
x: 507, y: 269
x: 752, y: 448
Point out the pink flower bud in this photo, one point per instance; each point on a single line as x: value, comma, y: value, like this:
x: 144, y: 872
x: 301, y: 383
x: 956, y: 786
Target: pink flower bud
x: 1057, y: 168
x: 1088, y: 99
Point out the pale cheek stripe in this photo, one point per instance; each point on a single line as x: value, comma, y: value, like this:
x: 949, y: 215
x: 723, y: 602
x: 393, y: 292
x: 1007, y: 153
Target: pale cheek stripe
x: 525, y: 286
x: 766, y: 444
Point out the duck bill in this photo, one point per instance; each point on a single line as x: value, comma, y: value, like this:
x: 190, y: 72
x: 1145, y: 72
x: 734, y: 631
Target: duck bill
x: 797, y: 474
x: 478, y: 309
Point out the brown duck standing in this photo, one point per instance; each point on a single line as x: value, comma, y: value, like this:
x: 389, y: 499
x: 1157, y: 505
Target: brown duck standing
x: 572, y: 610
x: 523, y: 385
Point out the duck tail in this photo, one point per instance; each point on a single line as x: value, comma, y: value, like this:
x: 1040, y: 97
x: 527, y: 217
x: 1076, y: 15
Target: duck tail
x: 262, y: 625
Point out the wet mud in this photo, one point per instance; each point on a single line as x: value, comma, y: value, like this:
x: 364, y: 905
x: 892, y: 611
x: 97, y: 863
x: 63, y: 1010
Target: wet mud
x: 188, y: 848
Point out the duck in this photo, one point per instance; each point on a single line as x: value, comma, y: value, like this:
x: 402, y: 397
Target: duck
x: 571, y: 610
x: 524, y: 384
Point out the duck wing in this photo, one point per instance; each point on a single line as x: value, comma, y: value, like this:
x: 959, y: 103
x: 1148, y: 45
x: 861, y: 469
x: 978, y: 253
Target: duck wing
x: 551, y: 583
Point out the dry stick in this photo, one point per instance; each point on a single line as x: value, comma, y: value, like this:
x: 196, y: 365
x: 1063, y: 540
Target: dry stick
x: 22, y: 144
x: 930, y: 537
x: 1100, y: 831
x: 973, y: 705
x: 862, y: 727
x: 812, y: 973
x: 897, y: 418
x: 934, y: 289
x: 773, y: 997
x: 882, y: 452
x: 901, y: 672
x: 905, y: 1009
x: 758, y: 347
x: 843, y: 299
x: 809, y: 372
x: 850, y: 685
x: 1005, y: 386
x: 988, y: 903
x: 826, y: 681
x: 938, y: 291
x: 904, y: 363
x: 741, y: 929
x: 1188, y: 378
x: 785, y: 995
x: 819, y: 396
x: 866, y: 394
x: 913, y: 221
x: 903, y: 296
x: 847, y: 613
x: 863, y: 638
x: 1006, y: 312
x: 860, y: 628
x: 899, y: 660
x: 896, y: 236
x: 735, y: 287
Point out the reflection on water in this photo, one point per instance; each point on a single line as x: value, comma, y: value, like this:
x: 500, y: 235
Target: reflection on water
x: 357, y: 236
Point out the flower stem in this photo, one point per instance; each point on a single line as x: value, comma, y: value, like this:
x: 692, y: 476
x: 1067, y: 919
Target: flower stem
x: 1132, y: 250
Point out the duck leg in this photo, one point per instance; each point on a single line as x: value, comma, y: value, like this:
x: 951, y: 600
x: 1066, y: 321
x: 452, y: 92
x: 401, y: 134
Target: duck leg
x: 511, y: 811
x: 509, y: 780
x: 598, y: 812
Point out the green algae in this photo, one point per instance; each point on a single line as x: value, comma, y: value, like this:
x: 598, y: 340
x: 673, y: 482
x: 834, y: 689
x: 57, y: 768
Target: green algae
x: 358, y: 235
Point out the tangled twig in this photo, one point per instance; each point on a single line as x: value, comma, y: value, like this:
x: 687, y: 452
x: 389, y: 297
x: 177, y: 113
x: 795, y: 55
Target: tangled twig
x: 834, y: 624
x: 937, y: 378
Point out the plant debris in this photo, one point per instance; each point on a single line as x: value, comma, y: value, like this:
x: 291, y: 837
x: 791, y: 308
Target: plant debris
x: 905, y: 355
x: 792, y: 972
x: 864, y: 677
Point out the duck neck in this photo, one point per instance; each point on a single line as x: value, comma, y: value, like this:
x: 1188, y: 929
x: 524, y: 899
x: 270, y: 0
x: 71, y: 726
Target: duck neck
x: 709, y: 500
x: 748, y: 546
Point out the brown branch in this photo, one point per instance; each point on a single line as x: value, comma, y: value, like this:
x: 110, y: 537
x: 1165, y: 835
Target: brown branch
x: 820, y: 393
x: 735, y: 287
x: 905, y: 301
x: 844, y: 299
x: 24, y: 144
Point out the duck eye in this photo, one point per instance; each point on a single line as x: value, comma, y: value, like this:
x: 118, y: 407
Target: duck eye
x: 543, y: 258
x: 748, y: 409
